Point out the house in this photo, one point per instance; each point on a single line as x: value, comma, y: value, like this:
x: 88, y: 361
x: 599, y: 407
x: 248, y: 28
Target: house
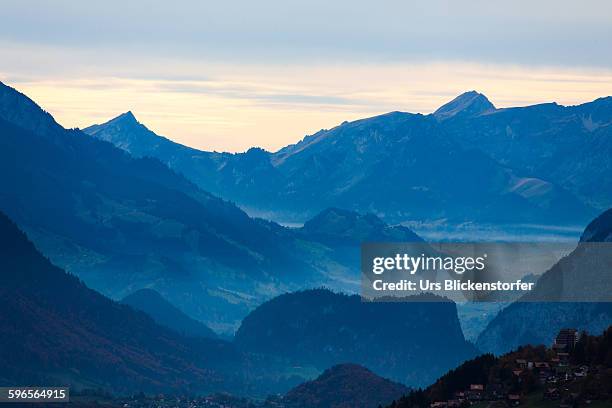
x: 514, y: 399
x: 552, y: 380
x: 545, y: 375
x: 566, y: 340
x: 563, y: 358
x: 439, y: 404
x: 495, y: 391
x: 475, y: 392
x: 552, y: 393
x: 521, y: 363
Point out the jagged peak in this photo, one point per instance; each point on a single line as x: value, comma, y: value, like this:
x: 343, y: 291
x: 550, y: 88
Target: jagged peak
x: 468, y: 103
x: 124, y: 131
x: 125, y: 118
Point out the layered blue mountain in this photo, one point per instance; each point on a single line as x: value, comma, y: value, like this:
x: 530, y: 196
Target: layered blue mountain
x: 122, y: 223
x: 408, y: 342
x: 166, y: 314
x: 340, y: 227
x: 54, y: 330
x: 577, y: 289
x: 568, y: 146
x: 408, y: 167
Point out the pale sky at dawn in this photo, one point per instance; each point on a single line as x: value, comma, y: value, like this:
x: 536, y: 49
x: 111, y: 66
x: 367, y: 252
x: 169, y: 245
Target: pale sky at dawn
x: 230, y: 75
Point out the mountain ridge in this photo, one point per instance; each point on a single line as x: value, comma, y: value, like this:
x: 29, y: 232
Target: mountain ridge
x: 122, y: 223
x: 335, y: 167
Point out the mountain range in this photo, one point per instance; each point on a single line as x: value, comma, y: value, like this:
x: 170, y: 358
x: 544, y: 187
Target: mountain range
x: 467, y: 161
x: 56, y: 330
x: 121, y: 209
x: 122, y: 223
x: 568, y: 146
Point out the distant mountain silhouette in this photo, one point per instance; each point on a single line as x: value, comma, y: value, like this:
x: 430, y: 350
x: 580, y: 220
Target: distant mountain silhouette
x: 409, y: 342
x: 122, y: 223
x: 56, y: 331
x: 342, y: 232
x: 344, y: 386
x: 338, y: 226
x: 567, y: 146
x: 468, y: 104
x: 128, y: 134
x: 583, y: 275
x: 166, y: 314
x: 403, y: 166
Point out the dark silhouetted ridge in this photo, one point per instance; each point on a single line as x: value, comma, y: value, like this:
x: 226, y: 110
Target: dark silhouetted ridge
x: 410, y: 342
x: 345, y: 386
x: 335, y: 224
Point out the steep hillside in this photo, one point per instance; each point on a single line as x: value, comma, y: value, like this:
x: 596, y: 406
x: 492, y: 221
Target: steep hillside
x: 531, y: 376
x: 583, y: 275
x: 166, y: 314
x: 55, y: 330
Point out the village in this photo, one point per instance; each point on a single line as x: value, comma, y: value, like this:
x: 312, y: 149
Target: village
x: 552, y: 381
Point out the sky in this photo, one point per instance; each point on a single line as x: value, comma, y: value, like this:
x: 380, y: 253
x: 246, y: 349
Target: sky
x: 229, y: 75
